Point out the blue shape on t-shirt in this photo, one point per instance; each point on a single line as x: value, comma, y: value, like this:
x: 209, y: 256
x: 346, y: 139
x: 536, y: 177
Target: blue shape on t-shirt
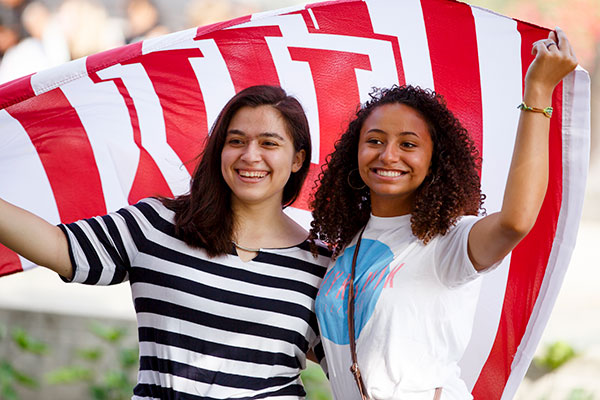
x: 372, y: 270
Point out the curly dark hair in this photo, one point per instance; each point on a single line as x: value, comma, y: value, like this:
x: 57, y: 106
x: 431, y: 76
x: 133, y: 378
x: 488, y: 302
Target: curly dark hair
x: 450, y: 190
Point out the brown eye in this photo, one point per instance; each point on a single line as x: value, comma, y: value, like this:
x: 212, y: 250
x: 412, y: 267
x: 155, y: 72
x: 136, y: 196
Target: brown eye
x: 374, y: 141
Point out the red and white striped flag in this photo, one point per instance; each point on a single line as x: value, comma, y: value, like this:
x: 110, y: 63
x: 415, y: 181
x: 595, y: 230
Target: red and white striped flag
x: 104, y: 131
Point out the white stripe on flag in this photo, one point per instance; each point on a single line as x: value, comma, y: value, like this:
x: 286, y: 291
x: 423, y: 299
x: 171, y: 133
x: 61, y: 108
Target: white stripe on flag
x: 173, y: 41
x: 213, y: 78
x: 499, y: 49
x: 52, y: 78
x: 294, y: 75
x: 575, y: 137
x: 111, y: 139
x: 151, y: 123
x: 385, y: 16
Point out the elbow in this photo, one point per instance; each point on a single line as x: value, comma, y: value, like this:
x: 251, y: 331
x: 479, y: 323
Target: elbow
x: 517, y: 228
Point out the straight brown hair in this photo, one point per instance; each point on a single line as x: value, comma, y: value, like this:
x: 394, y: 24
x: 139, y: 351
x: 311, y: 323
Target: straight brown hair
x: 203, y: 217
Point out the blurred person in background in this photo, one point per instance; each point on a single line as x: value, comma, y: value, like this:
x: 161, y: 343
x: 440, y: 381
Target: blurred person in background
x: 8, y: 38
x: 88, y: 27
x: 143, y: 21
x: 10, y: 15
x: 206, y: 12
x: 44, y: 46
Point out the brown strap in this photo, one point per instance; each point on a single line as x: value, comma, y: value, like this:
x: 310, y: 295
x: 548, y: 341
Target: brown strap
x: 354, y: 367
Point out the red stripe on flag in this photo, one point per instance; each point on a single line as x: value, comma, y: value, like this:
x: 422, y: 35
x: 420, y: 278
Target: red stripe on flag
x: 9, y: 261
x: 181, y: 101
x: 336, y: 103
x: 148, y: 180
x: 338, y: 18
x: 15, y: 91
x: 99, y: 61
x: 65, y: 152
x: 455, y: 61
x: 527, y: 268
x: 203, y: 30
x: 247, y: 55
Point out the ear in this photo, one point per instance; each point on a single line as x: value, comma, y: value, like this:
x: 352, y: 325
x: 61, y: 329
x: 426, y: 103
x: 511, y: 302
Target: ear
x: 298, y: 160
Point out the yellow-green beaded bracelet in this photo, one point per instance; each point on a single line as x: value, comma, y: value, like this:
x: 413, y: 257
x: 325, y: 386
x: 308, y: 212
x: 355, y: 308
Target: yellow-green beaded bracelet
x: 546, y: 111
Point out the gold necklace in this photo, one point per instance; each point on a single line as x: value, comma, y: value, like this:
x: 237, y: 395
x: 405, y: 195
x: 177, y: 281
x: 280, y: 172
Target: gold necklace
x: 239, y: 246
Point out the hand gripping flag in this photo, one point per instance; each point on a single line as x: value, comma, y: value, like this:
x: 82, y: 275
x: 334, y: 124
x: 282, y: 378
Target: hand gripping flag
x: 104, y: 131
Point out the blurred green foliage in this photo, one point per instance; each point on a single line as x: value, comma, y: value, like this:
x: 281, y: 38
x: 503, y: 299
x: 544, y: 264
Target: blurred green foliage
x: 28, y: 343
x: 108, y: 333
x: 315, y: 382
x: 580, y: 394
x: 10, y: 377
x: 114, y: 384
x: 555, y: 355
x: 68, y: 375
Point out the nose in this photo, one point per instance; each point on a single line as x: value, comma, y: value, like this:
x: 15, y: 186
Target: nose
x: 389, y: 154
x: 251, y: 152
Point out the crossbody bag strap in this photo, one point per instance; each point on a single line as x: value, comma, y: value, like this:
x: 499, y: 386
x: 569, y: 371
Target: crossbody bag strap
x: 354, y: 367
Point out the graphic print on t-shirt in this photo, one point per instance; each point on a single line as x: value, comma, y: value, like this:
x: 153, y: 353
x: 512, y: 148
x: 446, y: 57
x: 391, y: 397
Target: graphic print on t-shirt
x: 373, y: 273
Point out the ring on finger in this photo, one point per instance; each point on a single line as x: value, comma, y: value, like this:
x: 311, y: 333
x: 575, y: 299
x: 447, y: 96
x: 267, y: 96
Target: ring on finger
x: 550, y: 44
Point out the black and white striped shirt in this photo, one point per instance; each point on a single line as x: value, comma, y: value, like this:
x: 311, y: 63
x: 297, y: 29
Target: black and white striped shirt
x: 209, y: 328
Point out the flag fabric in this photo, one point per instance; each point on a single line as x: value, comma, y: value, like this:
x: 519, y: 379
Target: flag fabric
x: 104, y: 131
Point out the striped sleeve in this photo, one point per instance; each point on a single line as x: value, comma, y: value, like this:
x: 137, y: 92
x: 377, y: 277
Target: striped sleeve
x: 102, y: 248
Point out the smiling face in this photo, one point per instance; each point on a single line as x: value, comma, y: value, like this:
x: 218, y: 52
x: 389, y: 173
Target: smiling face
x: 394, y: 156
x: 258, y: 156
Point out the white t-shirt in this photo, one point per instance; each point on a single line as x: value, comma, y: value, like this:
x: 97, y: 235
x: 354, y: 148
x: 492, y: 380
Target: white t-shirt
x: 414, y: 311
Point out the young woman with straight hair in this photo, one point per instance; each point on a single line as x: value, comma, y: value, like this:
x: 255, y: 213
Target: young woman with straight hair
x: 223, y: 281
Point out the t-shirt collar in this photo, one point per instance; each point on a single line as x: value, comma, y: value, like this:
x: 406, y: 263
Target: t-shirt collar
x: 388, y: 222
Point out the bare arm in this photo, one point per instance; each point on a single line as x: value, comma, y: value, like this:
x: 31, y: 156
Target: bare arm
x: 496, y: 235
x: 35, y: 239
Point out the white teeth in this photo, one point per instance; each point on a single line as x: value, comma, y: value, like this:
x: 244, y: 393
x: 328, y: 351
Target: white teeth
x: 253, y: 174
x: 389, y: 173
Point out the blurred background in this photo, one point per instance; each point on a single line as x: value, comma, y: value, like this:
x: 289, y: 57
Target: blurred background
x: 41, y: 318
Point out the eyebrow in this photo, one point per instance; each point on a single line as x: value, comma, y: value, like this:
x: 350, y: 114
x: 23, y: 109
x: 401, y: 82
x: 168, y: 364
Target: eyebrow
x: 263, y: 134
x: 376, y: 130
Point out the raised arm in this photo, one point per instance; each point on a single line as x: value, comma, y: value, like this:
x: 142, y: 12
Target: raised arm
x: 34, y: 238
x: 494, y: 236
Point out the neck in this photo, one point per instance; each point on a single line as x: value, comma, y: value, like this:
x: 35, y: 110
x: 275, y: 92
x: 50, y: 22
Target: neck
x: 265, y: 226
x: 391, y: 206
x: 255, y: 216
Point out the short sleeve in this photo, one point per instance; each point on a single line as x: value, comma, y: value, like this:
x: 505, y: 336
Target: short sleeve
x: 453, y: 265
x: 101, y: 248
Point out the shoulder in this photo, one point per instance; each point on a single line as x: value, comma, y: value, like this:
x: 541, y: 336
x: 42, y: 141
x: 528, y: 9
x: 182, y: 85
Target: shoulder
x: 462, y: 227
x: 151, y: 208
x: 300, y: 257
x: 147, y: 215
x: 451, y: 253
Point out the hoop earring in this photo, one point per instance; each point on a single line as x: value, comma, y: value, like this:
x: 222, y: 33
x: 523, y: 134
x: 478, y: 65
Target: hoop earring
x: 433, y: 180
x: 350, y: 183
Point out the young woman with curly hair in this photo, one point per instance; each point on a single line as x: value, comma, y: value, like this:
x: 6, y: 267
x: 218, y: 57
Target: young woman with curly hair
x: 222, y: 280
x: 402, y: 186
